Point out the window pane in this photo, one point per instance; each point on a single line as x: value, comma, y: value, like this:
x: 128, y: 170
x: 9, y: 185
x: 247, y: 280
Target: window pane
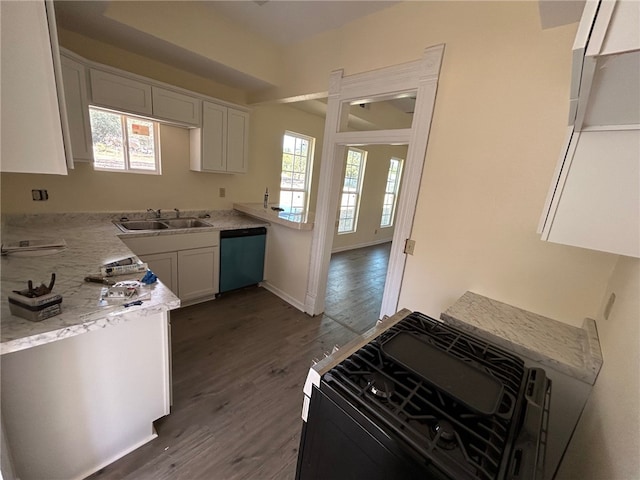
x: 108, y: 145
x: 141, y: 144
x: 391, y: 192
x: 297, y: 158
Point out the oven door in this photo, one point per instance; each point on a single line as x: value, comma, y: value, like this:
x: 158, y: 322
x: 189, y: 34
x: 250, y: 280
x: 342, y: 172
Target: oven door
x: 340, y: 443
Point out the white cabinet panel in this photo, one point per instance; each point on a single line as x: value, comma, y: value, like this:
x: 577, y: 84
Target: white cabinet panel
x: 237, y: 141
x: 176, y: 106
x: 121, y: 93
x: 74, y: 75
x: 71, y: 407
x: 188, y: 263
x: 198, y: 273
x: 214, y: 133
x: 32, y: 130
x: 165, y: 266
x: 599, y: 203
x: 221, y: 145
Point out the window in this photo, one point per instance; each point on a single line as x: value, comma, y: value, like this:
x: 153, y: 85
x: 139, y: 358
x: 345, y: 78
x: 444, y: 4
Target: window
x: 124, y: 143
x: 391, y: 192
x: 350, y: 202
x: 297, y: 163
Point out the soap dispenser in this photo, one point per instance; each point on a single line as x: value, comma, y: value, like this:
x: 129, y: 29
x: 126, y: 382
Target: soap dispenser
x: 266, y: 198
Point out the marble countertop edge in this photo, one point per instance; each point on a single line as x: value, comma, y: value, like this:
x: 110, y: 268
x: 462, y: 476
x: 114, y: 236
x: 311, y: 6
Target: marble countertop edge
x: 571, y: 350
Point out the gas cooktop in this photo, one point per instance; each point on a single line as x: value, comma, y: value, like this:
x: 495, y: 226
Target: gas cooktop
x: 456, y: 404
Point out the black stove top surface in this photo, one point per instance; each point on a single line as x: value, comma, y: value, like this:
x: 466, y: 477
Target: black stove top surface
x: 452, y: 398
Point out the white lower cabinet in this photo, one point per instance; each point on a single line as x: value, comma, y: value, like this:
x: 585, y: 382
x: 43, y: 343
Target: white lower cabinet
x: 186, y: 263
x: 198, y: 273
x: 165, y: 266
x: 73, y: 406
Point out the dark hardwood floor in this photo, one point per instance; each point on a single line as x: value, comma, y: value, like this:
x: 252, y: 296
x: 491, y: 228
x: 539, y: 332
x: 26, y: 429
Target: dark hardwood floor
x: 355, y: 286
x: 239, y: 365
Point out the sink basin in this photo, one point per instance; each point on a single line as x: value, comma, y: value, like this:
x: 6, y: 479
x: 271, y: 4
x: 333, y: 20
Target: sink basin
x: 141, y: 225
x: 161, y: 224
x: 186, y: 223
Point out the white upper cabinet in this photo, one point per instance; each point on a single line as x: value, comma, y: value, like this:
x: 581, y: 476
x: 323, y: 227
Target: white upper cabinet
x: 175, y: 106
x: 237, y: 141
x: 32, y: 125
x: 594, y: 199
x: 122, y: 93
x: 74, y: 76
x: 221, y: 145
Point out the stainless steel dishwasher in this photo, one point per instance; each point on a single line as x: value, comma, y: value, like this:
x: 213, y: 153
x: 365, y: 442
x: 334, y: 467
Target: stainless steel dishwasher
x: 241, y: 257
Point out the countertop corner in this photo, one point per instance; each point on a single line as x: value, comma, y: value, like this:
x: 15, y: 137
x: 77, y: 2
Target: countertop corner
x: 568, y: 349
x: 294, y: 220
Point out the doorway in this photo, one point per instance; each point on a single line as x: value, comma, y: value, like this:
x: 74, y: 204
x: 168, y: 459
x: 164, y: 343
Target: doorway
x: 416, y: 79
x: 365, y: 226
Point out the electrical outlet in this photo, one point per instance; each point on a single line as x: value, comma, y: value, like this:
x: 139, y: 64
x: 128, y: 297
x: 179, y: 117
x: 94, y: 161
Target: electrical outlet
x: 223, y: 192
x: 409, y: 246
x: 39, y: 195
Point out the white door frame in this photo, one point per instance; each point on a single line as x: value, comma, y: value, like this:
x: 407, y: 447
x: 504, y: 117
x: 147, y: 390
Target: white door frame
x: 420, y: 76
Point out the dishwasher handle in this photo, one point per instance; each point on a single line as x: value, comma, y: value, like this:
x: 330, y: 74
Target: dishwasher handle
x: 243, y: 232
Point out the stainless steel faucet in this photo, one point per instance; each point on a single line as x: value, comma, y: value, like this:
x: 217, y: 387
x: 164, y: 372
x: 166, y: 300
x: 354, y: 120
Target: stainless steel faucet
x: 156, y: 213
x: 177, y: 213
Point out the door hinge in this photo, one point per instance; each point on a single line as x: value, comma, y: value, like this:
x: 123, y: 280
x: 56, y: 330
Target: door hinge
x: 409, y: 246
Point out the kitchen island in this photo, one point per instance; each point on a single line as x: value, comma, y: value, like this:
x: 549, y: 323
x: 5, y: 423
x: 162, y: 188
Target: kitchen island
x: 82, y: 388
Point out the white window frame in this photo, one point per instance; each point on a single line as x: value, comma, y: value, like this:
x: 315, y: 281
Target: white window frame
x: 124, y: 118
x: 306, y: 190
x: 349, y: 191
x: 392, y: 188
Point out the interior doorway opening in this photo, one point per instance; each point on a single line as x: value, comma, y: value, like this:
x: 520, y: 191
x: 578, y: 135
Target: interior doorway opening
x: 417, y: 80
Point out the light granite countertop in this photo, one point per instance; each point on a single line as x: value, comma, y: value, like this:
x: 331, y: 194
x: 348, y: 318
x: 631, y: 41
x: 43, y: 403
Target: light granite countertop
x: 92, y: 240
x: 296, y: 221
x: 568, y: 349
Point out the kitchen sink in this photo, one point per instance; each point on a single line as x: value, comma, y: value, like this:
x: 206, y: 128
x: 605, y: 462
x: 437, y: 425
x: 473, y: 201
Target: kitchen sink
x: 161, y: 224
x: 186, y: 223
x: 141, y: 225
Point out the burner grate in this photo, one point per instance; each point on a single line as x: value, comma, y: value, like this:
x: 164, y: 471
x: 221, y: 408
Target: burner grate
x: 439, y: 428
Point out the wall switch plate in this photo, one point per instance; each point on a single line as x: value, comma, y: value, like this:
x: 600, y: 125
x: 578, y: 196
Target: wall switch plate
x: 409, y: 246
x: 39, y: 195
x: 223, y: 192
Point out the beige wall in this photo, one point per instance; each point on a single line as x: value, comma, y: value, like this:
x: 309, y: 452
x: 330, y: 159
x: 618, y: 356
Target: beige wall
x: 497, y: 131
x: 607, y: 440
x: 86, y: 190
x: 200, y: 29
x: 368, y: 230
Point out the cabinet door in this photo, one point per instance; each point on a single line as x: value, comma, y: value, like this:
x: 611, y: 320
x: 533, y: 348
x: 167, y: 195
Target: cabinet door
x: 214, y: 137
x: 32, y: 139
x: 115, y: 91
x: 74, y: 75
x: 176, y: 106
x: 165, y: 266
x: 198, y: 273
x: 598, y: 205
x: 237, y: 141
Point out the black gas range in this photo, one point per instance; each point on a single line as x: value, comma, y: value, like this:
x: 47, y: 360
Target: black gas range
x: 419, y: 399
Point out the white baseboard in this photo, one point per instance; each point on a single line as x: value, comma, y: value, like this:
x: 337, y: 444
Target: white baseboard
x: 119, y: 455
x: 360, y: 245
x: 284, y: 296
